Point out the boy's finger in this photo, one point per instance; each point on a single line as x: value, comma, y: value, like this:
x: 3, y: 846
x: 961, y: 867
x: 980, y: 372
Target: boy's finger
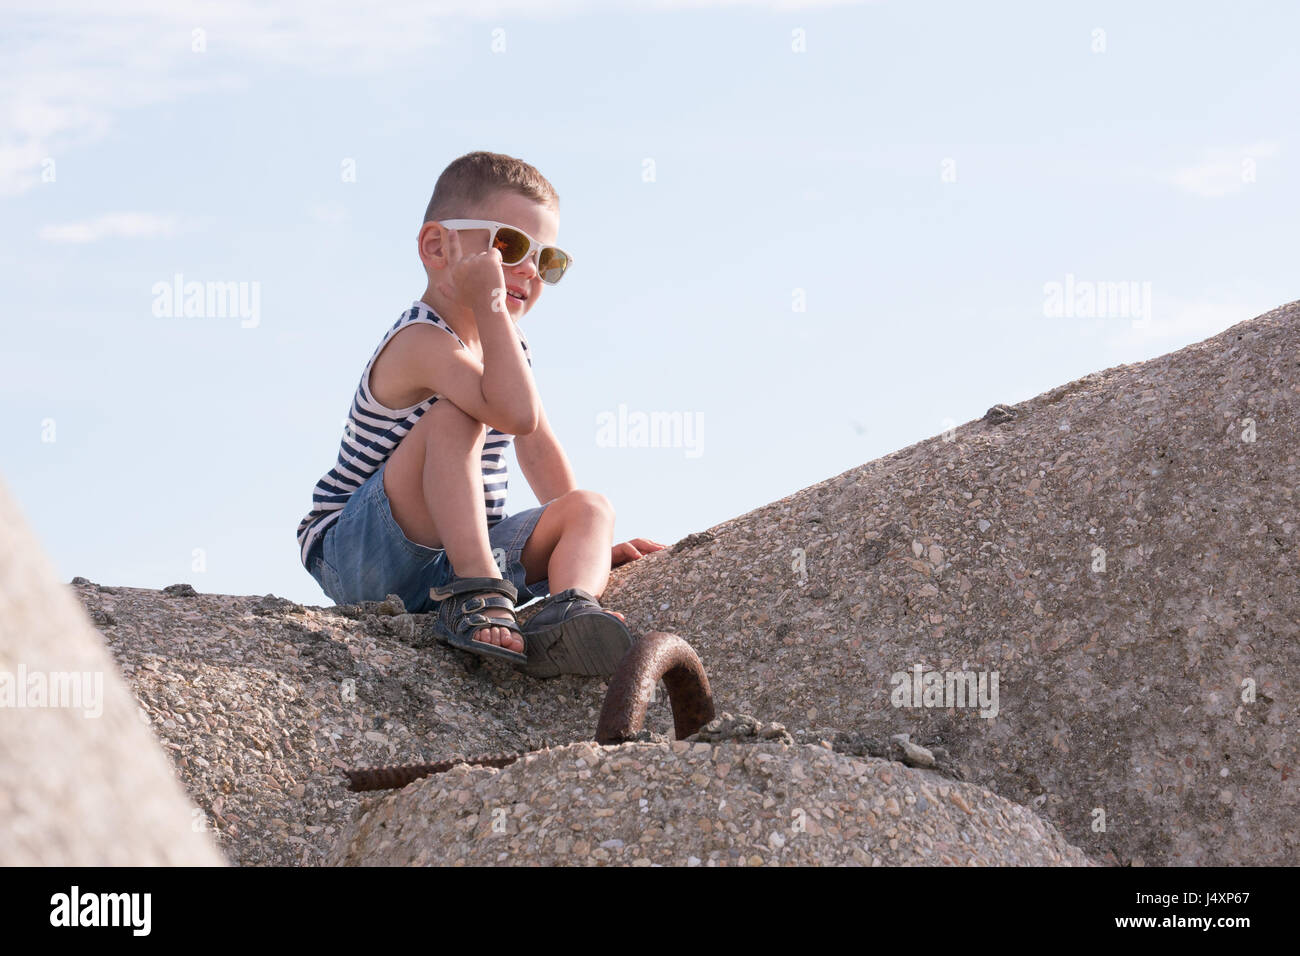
x: 626, y: 552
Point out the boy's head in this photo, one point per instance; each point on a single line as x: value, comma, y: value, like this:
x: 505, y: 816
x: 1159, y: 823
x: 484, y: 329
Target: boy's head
x: 493, y: 186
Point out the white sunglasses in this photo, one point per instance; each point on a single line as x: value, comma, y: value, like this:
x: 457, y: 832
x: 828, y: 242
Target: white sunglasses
x: 516, y: 245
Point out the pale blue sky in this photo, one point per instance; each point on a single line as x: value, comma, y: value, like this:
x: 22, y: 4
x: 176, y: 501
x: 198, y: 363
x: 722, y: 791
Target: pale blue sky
x: 921, y: 172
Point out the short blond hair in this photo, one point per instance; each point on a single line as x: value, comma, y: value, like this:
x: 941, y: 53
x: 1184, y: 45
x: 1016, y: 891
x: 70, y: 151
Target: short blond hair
x: 470, y: 180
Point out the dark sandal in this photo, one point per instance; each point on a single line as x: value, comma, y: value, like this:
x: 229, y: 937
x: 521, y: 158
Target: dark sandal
x: 572, y: 634
x: 457, y: 621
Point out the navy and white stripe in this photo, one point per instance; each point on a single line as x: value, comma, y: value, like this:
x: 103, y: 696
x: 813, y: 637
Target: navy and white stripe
x: 373, y: 431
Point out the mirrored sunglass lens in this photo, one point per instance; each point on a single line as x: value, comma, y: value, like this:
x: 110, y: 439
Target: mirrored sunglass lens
x: 551, y: 264
x: 513, y: 245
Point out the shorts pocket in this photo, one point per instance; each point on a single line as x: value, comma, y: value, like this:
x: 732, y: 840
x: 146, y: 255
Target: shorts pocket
x: 422, y: 552
x: 328, y: 579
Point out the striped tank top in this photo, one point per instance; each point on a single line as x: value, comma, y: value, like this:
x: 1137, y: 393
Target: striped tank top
x: 373, y: 431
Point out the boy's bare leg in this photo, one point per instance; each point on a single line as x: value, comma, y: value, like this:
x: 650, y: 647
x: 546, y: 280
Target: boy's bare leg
x: 434, y: 484
x: 571, y: 544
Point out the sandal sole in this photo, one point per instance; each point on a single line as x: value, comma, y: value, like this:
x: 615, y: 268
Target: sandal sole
x: 487, y: 650
x: 590, y: 645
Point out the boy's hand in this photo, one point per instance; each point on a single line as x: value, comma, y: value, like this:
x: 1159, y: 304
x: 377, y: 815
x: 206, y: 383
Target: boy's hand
x: 631, y: 550
x: 476, y: 282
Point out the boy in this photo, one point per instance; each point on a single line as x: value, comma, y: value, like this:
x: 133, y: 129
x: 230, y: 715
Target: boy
x: 415, y: 503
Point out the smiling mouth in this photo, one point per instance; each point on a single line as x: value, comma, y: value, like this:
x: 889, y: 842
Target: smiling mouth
x: 516, y: 296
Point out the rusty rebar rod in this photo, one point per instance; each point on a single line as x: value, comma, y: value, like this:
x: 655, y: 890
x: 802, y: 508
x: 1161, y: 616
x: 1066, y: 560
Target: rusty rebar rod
x: 392, y: 778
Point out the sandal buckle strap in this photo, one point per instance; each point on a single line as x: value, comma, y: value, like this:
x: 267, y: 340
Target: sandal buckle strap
x: 474, y: 622
x: 461, y: 585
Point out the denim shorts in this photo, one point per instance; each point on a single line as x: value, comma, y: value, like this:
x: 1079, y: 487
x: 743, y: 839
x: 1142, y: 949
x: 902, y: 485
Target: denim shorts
x: 364, y: 556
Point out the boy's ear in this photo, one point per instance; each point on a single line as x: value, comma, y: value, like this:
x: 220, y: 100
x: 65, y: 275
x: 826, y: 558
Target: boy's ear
x: 430, y: 242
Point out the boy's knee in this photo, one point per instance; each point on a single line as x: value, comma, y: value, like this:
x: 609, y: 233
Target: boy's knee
x: 588, y: 502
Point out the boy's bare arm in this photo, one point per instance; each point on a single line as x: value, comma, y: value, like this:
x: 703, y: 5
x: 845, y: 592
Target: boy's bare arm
x: 430, y: 360
x: 507, y: 381
x: 499, y: 391
x: 475, y: 284
x: 543, y: 462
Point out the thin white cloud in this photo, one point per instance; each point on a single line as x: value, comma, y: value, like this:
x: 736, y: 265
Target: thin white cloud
x: 119, y: 225
x: 68, y: 68
x: 1223, y: 172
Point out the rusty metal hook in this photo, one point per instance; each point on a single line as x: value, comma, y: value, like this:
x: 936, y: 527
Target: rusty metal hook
x: 657, y: 656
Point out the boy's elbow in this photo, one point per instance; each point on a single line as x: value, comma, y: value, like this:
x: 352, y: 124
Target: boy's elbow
x: 521, y: 420
x: 517, y: 421
x: 525, y: 424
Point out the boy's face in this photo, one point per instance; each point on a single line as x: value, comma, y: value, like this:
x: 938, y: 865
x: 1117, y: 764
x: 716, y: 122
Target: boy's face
x: 539, y: 221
